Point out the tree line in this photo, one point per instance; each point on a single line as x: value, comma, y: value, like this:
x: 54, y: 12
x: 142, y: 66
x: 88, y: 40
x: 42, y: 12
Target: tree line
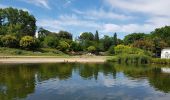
x: 18, y: 29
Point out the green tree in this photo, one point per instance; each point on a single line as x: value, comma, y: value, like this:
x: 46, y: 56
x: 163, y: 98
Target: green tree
x: 131, y: 38
x: 17, y: 22
x: 107, y: 42
x: 115, y: 39
x: 29, y: 42
x: 91, y: 49
x: 9, y: 41
x: 63, y: 46
x: 111, y: 50
x: 64, y: 35
x: 96, y: 37
x: 75, y: 46
x: 50, y: 41
x: 163, y: 33
x: 86, y: 36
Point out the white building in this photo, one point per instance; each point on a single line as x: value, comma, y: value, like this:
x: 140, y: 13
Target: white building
x: 165, y: 53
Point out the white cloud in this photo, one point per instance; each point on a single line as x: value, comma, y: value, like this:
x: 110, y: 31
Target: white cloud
x: 40, y: 3
x: 154, y: 7
x: 64, y: 22
x: 5, y: 6
x: 102, y: 14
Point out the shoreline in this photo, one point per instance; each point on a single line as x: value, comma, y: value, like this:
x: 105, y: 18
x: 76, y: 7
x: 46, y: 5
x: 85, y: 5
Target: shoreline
x: 48, y: 59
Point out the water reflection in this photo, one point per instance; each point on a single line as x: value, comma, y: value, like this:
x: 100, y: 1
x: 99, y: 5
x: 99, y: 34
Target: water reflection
x: 81, y: 81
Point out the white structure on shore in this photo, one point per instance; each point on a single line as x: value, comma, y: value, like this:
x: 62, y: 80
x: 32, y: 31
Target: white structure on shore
x: 165, y: 53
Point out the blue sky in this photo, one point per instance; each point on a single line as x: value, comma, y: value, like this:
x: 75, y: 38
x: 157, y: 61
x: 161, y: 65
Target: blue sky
x: 106, y: 16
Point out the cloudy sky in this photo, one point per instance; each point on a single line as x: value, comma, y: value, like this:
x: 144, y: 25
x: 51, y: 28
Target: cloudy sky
x: 106, y: 16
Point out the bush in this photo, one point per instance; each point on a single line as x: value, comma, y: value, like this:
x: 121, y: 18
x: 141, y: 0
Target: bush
x: 29, y: 42
x: 63, y: 46
x: 75, y: 47
x: 50, y: 41
x: 9, y: 41
x: 1, y: 44
x: 160, y: 61
x: 91, y: 49
x: 111, y: 50
x: 131, y: 59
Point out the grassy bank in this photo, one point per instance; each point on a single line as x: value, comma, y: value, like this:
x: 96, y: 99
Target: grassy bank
x: 130, y: 59
x: 137, y: 59
x: 41, y: 52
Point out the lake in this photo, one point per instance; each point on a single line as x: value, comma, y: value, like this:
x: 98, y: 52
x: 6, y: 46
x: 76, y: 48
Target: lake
x: 75, y: 81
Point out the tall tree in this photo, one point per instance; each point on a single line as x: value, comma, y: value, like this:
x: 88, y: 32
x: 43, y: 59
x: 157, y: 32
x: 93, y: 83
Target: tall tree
x: 17, y: 22
x: 96, y: 37
x: 115, y: 39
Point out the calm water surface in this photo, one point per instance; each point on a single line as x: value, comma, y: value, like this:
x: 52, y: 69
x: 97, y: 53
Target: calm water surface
x: 83, y: 82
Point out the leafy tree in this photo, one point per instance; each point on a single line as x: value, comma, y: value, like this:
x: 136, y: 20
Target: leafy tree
x: 1, y: 43
x: 63, y: 46
x: 86, y: 36
x: 115, y: 41
x: 91, y: 49
x: 75, y: 46
x: 163, y: 33
x: 96, y: 37
x: 131, y: 38
x: 107, y: 42
x: 65, y: 35
x: 9, y: 41
x: 111, y: 50
x: 50, y: 41
x: 42, y: 33
x: 17, y: 22
x: 29, y: 42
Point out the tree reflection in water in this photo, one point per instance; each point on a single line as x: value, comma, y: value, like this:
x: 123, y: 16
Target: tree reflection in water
x: 19, y: 80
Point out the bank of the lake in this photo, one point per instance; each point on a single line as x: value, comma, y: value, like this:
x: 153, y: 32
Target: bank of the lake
x: 53, y: 59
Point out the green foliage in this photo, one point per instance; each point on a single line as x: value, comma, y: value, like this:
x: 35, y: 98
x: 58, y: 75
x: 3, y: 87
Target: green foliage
x: 75, y: 46
x: 163, y: 33
x: 96, y: 37
x: 107, y: 42
x: 50, y: 41
x: 28, y: 42
x: 86, y: 36
x: 63, y: 46
x: 9, y: 41
x: 131, y: 38
x: 91, y: 49
x: 111, y: 50
x: 17, y: 22
x: 115, y: 41
x: 160, y: 61
x: 131, y: 59
x: 122, y: 49
x: 1, y: 43
x: 64, y: 35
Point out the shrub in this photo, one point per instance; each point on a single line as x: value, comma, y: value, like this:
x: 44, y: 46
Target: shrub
x: 111, y: 50
x: 9, y: 41
x: 131, y: 59
x: 29, y: 42
x: 63, y: 46
x: 50, y: 41
x: 1, y: 44
x: 91, y: 49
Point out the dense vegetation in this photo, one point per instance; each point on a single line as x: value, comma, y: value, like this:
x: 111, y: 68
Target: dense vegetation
x: 18, y: 30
